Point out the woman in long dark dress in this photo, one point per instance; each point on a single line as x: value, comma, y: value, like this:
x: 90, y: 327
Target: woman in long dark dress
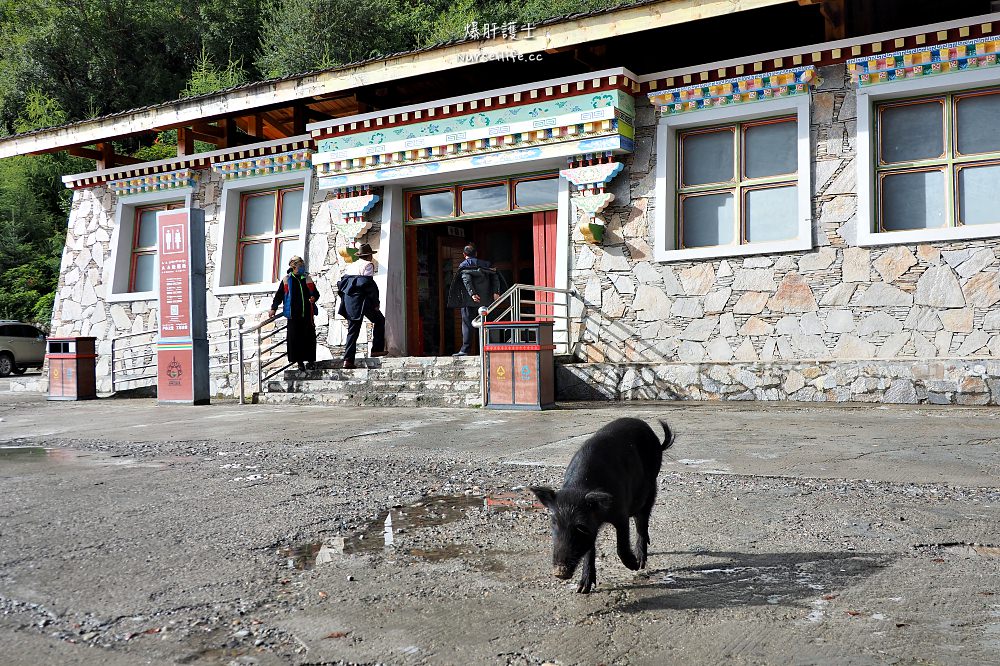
x: 297, y: 296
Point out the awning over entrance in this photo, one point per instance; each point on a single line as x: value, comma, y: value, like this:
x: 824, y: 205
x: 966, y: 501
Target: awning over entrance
x: 563, y: 118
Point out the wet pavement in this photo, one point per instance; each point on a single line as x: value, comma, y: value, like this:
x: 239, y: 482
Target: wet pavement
x: 133, y: 533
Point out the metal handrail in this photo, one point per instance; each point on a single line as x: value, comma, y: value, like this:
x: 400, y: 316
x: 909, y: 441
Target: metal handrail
x: 512, y: 297
x: 143, y: 367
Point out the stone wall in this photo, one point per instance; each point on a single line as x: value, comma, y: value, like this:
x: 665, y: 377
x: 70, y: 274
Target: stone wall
x: 834, y: 307
x: 82, y: 307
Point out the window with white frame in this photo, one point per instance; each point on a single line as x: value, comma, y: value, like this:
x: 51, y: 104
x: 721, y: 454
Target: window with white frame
x: 734, y: 181
x: 269, y: 226
x: 142, y: 261
x: 937, y: 161
x: 928, y: 158
x: 736, y: 184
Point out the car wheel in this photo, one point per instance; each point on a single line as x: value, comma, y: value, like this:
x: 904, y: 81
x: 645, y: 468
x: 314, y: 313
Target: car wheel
x: 20, y: 370
x: 6, y: 364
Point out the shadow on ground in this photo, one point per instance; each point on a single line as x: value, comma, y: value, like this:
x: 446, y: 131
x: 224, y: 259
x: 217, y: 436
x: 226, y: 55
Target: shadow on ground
x: 752, y: 579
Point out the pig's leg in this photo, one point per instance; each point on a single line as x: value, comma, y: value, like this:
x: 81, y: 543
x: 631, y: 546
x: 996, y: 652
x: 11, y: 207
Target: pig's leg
x: 642, y: 528
x: 625, y: 553
x: 588, y: 573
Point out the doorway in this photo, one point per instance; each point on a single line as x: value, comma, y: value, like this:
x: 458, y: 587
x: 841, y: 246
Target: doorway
x: 433, y: 253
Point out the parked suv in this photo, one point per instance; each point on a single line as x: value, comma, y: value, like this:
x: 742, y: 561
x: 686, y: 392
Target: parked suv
x: 22, y: 346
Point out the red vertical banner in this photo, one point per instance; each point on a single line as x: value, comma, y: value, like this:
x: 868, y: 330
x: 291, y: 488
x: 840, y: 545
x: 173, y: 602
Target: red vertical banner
x: 175, y: 350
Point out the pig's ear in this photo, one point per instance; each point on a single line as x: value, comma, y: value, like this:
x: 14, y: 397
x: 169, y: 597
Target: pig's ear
x: 545, y: 495
x: 599, y: 499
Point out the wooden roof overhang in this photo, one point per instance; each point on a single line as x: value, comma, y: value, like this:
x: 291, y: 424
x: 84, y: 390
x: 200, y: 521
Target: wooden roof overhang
x: 282, y: 108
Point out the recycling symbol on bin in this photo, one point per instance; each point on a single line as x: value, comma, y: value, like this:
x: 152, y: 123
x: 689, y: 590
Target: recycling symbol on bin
x: 525, y: 373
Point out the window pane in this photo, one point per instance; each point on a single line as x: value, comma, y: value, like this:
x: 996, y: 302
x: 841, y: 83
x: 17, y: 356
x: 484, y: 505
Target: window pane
x: 707, y: 157
x: 482, y: 199
x: 978, y: 131
x: 146, y: 234
x: 433, y: 204
x: 145, y: 266
x: 291, y: 210
x: 771, y: 214
x: 771, y: 150
x: 286, y: 250
x: 707, y: 220
x: 254, y: 262
x: 536, y: 192
x: 977, y: 194
x: 913, y: 201
x: 911, y: 132
x: 258, y: 214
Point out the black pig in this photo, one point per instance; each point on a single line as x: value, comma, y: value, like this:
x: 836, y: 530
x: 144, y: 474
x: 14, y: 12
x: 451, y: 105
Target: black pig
x: 610, y: 479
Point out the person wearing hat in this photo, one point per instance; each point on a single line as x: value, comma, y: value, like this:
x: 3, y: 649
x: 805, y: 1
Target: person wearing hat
x: 297, y: 296
x: 359, y: 298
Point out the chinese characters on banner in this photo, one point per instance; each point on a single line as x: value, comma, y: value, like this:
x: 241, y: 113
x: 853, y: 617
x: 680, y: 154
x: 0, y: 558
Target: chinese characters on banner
x: 182, y: 349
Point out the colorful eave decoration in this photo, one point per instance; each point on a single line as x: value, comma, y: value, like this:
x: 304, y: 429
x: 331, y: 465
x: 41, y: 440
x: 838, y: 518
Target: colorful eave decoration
x: 589, y: 174
x: 264, y: 165
x: 155, y: 182
x: 596, y: 123
x: 742, y: 90
x: 914, y: 63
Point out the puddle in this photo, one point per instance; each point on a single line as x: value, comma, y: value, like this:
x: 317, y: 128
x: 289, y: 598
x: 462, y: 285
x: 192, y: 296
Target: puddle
x: 428, y: 512
x: 389, y: 529
x: 56, y: 456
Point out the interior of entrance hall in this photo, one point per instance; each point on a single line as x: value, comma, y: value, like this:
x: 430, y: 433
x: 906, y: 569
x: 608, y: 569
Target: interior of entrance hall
x: 435, y: 328
x: 512, y: 223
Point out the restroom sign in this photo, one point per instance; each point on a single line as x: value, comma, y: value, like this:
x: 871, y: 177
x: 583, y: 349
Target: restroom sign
x: 182, y: 348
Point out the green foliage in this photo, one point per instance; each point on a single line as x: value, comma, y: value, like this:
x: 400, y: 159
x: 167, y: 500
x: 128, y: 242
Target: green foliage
x: 68, y: 60
x: 207, y: 78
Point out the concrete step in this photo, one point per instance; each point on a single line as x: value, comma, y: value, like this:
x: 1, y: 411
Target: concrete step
x: 432, y: 381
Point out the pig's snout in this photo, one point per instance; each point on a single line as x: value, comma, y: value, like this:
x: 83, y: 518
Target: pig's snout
x: 562, y: 571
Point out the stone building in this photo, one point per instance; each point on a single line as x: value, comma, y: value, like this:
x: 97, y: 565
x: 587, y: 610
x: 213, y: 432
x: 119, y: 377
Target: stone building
x: 806, y: 217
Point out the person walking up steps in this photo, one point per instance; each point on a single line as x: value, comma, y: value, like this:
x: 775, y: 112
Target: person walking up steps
x: 359, y: 298
x: 477, y: 284
x: 297, y: 296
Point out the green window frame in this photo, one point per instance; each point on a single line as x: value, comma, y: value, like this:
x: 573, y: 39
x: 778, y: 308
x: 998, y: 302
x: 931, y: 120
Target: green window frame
x: 947, y: 169
x: 736, y: 188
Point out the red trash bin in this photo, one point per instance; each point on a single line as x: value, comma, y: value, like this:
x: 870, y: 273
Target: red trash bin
x: 72, y: 368
x: 520, y: 373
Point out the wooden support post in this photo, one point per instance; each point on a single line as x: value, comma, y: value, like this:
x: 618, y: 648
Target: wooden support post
x: 300, y: 117
x: 185, y: 142
x: 255, y: 126
x: 107, y: 158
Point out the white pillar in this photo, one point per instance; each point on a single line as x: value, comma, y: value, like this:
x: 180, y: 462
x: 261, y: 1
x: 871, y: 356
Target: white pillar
x: 391, y: 276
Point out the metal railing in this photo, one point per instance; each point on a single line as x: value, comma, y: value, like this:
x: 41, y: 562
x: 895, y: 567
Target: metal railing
x: 133, y: 360
x: 133, y: 355
x: 264, y: 356
x: 513, y: 306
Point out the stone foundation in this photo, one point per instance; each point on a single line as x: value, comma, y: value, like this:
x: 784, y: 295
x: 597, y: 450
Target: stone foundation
x: 971, y: 381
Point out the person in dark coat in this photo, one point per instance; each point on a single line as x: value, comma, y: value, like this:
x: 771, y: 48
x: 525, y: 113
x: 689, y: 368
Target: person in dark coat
x: 477, y: 284
x: 359, y: 298
x: 297, y: 296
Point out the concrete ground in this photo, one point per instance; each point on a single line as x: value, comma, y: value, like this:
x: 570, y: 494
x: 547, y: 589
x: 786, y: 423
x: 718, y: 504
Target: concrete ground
x: 787, y: 534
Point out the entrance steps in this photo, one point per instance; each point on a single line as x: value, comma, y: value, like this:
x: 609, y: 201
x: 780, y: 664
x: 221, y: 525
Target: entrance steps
x: 442, y: 381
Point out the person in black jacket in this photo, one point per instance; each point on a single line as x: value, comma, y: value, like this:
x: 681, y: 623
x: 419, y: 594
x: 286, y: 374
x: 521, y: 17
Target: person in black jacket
x: 297, y: 296
x: 359, y: 298
x: 476, y: 285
